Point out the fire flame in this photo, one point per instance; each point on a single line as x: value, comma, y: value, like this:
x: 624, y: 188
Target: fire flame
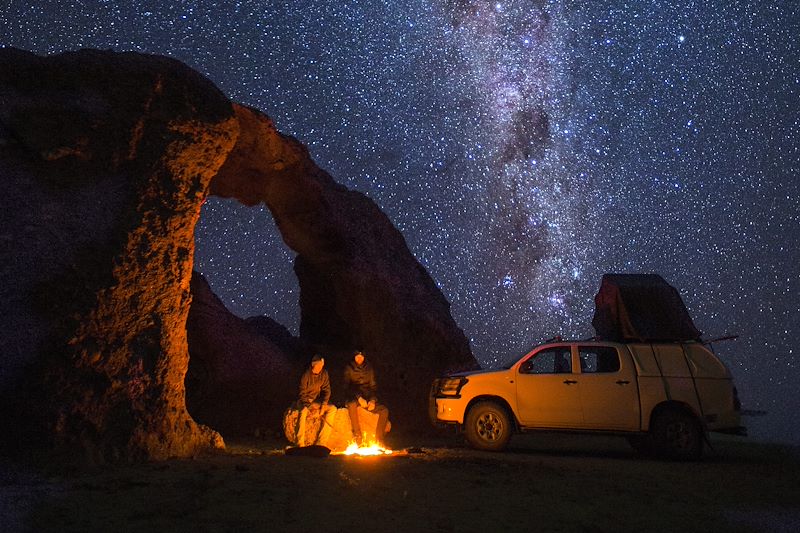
x: 369, y: 449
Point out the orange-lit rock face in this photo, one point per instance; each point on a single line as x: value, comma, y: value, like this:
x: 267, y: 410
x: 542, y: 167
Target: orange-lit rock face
x: 112, y: 155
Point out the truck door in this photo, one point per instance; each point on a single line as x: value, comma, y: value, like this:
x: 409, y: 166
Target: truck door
x: 547, y: 389
x: 608, y: 388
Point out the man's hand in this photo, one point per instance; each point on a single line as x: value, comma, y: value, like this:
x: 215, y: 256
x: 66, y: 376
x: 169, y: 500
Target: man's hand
x: 362, y: 402
x: 371, y: 405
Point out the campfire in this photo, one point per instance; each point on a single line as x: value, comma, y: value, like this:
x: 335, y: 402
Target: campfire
x: 367, y: 449
x: 340, y: 439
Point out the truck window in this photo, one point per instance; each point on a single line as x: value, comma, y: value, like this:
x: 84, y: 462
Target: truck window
x: 552, y: 361
x: 598, y: 359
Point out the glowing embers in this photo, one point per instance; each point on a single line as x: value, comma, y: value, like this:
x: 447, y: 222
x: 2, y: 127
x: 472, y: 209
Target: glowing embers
x: 366, y: 450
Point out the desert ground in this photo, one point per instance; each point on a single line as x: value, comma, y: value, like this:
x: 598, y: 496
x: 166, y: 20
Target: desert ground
x: 543, y: 482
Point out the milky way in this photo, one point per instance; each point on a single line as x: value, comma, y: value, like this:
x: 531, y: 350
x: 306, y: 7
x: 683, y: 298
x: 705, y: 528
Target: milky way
x: 523, y: 149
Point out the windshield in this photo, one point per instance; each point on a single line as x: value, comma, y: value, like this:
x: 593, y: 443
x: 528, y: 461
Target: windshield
x: 512, y: 361
x: 507, y: 364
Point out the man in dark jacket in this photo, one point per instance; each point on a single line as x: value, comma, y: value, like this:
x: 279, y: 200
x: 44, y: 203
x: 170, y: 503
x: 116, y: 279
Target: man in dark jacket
x: 361, y: 390
x: 315, y: 388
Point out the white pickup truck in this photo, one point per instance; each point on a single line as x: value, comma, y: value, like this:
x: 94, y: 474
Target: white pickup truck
x: 663, y: 397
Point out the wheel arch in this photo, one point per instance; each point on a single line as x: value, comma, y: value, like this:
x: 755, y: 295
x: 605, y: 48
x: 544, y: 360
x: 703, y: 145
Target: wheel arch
x: 499, y: 400
x: 674, y: 405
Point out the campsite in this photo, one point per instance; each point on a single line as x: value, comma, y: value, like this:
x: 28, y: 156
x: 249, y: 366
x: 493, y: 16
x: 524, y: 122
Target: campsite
x: 136, y: 396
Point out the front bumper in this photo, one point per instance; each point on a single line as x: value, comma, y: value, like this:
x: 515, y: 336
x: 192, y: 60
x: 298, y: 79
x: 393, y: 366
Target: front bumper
x: 447, y: 411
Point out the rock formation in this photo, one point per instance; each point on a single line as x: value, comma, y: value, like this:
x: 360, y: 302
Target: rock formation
x: 239, y: 380
x: 106, y: 159
x: 360, y: 287
x: 341, y: 435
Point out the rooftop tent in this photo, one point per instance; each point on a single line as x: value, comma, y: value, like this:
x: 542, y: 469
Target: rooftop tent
x: 642, y: 308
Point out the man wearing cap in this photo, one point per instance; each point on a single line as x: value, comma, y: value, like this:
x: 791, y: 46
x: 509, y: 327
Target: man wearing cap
x: 361, y: 389
x: 315, y: 387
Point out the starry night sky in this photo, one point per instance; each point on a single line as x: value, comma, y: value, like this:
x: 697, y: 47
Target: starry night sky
x: 524, y: 148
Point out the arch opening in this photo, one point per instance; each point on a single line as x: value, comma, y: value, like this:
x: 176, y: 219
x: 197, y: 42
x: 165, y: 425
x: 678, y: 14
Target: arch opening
x: 359, y: 287
x: 240, y: 252
x: 243, y: 323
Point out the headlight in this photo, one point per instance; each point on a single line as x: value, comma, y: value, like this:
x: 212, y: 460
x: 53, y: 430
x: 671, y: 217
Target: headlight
x: 450, y: 386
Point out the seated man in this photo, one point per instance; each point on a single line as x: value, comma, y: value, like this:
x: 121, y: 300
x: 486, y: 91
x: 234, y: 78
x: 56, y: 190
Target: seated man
x: 315, y: 386
x: 361, y: 390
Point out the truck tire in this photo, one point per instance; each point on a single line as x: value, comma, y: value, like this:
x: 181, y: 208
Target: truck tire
x: 677, y: 435
x: 488, y: 426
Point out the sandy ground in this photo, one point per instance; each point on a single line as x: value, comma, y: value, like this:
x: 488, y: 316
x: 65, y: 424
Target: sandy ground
x: 542, y: 483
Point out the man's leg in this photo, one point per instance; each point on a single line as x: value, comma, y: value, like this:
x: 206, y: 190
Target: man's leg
x: 352, y: 408
x: 383, y: 417
x: 301, y: 427
x: 326, y: 420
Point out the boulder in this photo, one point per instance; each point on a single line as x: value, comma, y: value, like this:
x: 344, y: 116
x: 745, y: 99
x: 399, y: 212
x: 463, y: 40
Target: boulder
x: 342, y: 434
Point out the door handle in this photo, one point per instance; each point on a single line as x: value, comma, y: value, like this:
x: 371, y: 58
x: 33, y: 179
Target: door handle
x: 622, y: 382
x: 570, y: 381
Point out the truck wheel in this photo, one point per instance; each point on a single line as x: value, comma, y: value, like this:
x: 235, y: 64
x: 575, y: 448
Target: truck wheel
x: 677, y: 435
x: 488, y: 427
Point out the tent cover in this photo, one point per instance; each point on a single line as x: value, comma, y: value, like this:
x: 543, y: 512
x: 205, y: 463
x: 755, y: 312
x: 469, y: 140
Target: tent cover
x: 641, y: 308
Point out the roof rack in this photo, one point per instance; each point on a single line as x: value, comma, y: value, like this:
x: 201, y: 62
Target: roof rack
x: 718, y: 339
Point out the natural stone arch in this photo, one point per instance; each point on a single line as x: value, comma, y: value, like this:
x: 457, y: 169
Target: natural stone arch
x: 360, y: 286
x: 108, y: 158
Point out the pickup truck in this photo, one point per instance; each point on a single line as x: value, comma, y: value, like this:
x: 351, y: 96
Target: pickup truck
x: 663, y: 396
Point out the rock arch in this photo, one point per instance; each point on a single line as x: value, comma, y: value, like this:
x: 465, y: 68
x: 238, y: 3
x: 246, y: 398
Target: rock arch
x: 360, y: 286
x: 108, y: 158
